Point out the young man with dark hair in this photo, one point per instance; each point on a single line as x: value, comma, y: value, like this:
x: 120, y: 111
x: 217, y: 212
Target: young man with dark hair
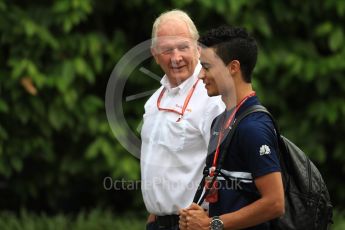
x: 228, y: 58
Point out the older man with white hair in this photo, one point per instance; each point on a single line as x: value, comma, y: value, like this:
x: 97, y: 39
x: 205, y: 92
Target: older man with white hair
x: 177, y: 120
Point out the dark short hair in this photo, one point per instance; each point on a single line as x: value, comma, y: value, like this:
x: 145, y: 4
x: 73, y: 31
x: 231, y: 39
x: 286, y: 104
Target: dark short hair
x: 233, y: 43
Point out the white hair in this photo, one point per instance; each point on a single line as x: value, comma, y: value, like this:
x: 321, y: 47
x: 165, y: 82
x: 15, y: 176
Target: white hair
x: 176, y: 15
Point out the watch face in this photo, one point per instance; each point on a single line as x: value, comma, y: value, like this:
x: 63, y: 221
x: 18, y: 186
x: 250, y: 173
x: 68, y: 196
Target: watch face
x: 216, y: 224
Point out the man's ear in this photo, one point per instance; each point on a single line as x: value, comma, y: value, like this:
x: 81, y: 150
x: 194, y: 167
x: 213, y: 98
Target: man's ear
x: 154, y: 54
x: 234, y: 67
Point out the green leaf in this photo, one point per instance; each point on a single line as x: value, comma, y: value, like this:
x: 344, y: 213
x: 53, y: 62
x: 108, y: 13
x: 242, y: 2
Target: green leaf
x: 80, y: 65
x: 263, y: 25
x: 220, y: 6
x: 55, y: 118
x: 309, y: 71
x: 61, y: 6
x: 3, y: 135
x: 16, y: 163
x: 18, y: 67
x: 94, y: 149
x: 92, y: 104
x: 5, y: 168
x: 3, y: 106
x: 324, y: 29
x: 206, y: 3
x: 336, y: 39
x: 66, y: 77
x: 67, y: 26
x: 70, y: 97
x: 3, y: 5
x: 29, y: 27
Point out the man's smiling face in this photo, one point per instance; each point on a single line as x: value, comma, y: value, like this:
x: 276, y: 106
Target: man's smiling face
x: 175, y: 51
x: 215, y: 73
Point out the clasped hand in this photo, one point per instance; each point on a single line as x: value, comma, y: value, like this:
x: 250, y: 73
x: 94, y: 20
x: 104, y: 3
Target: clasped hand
x: 194, y: 218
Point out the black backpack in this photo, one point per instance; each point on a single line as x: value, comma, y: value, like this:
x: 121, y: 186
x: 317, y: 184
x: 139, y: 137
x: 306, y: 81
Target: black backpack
x: 307, y: 201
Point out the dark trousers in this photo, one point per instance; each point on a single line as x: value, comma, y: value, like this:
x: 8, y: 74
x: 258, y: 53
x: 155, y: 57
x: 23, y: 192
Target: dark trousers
x: 154, y: 226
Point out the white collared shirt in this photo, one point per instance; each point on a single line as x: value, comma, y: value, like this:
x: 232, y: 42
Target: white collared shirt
x: 173, y: 153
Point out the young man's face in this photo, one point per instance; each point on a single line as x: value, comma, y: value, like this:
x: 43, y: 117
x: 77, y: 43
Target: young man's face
x: 175, y: 51
x: 215, y: 73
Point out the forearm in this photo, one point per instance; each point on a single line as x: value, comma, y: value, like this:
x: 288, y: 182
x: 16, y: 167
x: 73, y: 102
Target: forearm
x: 258, y: 212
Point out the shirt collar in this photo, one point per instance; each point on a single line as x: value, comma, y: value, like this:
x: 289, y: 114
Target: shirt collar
x: 250, y: 102
x: 184, y: 86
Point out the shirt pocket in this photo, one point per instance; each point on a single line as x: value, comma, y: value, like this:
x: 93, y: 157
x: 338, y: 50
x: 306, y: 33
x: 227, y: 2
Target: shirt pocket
x: 172, y: 134
x: 147, y: 130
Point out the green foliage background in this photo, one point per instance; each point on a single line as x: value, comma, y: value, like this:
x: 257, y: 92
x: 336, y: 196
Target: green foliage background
x: 56, y: 146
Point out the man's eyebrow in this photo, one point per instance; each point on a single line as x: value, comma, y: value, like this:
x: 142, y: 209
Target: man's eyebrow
x: 183, y: 42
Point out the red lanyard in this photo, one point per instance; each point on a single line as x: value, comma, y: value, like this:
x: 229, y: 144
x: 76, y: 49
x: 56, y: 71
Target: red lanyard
x: 224, y: 127
x: 185, y: 104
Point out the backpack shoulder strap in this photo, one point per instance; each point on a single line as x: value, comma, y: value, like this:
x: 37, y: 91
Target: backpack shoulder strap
x: 260, y: 108
x: 250, y: 110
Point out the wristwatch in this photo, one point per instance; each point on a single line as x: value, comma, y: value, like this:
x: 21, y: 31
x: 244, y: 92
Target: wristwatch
x: 216, y: 223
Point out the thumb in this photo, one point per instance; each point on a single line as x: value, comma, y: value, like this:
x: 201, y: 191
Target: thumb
x: 182, y: 211
x: 194, y: 206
